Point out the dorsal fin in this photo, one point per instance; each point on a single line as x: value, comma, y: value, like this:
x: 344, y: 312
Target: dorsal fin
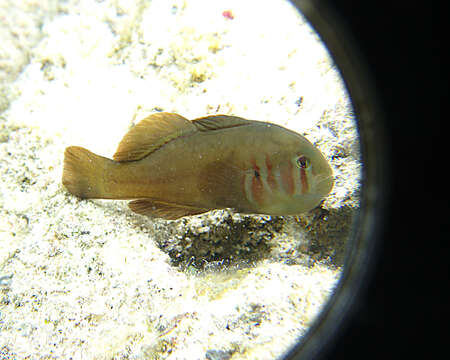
x: 217, y: 122
x: 150, y: 134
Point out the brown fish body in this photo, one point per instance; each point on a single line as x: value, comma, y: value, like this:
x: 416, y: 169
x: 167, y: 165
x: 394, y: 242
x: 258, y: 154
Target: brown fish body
x: 175, y: 167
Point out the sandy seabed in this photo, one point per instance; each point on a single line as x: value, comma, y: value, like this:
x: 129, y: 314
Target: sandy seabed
x: 82, y: 279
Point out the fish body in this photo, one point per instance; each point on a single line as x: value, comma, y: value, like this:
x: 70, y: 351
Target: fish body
x: 173, y: 167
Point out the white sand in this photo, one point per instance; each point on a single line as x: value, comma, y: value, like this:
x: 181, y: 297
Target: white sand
x: 91, y: 280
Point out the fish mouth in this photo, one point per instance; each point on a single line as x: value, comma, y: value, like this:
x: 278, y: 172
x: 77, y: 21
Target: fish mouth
x: 324, y: 184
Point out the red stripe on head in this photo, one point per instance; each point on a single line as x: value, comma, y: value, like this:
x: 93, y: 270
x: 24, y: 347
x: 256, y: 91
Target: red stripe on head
x: 254, y: 166
x: 257, y: 184
x: 304, y: 179
x: 257, y: 189
x: 270, y: 178
x: 287, y: 178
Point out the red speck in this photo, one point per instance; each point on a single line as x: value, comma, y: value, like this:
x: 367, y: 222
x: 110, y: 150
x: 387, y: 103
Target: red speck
x: 228, y: 15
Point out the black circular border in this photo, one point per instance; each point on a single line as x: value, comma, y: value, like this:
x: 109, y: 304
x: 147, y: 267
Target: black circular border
x: 364, y: 241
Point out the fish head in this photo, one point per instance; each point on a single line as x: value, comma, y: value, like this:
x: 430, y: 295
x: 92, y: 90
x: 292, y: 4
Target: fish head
x: 290, y: 176
x: 312, y: 179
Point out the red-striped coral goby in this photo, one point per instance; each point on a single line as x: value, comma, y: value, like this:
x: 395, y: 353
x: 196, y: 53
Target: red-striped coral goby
x: 172, y: 167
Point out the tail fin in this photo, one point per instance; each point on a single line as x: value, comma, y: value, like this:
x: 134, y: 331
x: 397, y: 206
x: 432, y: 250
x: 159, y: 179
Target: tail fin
x: 83, y: 173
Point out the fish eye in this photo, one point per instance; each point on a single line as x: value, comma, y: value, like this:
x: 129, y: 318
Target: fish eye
x: 302, y: 162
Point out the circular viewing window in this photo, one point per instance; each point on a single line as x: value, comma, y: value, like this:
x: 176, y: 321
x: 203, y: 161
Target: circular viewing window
x: 199, y: 265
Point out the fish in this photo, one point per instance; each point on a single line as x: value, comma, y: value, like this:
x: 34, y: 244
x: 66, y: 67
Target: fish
x: 172, y: 167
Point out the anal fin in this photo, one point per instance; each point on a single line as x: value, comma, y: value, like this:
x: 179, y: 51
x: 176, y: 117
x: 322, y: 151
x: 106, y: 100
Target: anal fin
x: 164, y: 210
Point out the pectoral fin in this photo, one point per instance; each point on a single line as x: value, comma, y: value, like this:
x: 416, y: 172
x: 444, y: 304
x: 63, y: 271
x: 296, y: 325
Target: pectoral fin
x: 160, y: 209
x: 224, y: 183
